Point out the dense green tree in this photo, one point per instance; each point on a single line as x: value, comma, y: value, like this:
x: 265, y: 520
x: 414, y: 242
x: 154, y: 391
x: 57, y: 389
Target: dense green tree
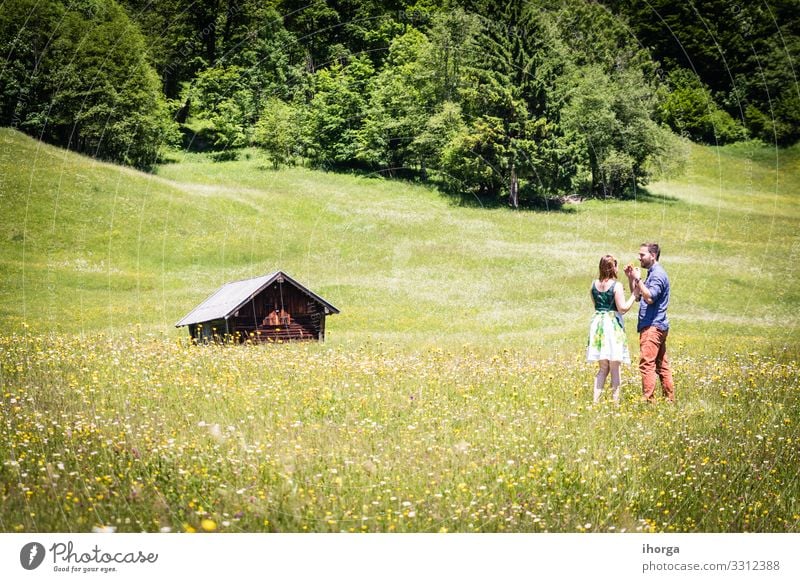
x: 317, y: 26
x: 25, y: 37
x: 270, y: 57
x: 331, y: 30
x: 743, y: 51
x: 92, y: 88
x: 690, y: 110
x: 470, y: 160
x: 400, y: 100
x: 222, y: 104
x: 611, y: 118
x: 769, y: 85
x: 603, y: 105
x: 181, y: 37
x: 334, y: 117
x: 453, y: 45
x: 440, y: 130
x: 508, y: 95
x: 186, y: 38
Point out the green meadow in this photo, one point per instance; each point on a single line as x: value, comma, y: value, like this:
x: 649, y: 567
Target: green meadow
x: 451, y: 393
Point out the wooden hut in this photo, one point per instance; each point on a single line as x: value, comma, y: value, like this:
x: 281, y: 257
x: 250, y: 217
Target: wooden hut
x: 270, y: 308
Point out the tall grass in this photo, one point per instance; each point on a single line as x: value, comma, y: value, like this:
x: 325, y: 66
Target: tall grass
x: 155, y: 436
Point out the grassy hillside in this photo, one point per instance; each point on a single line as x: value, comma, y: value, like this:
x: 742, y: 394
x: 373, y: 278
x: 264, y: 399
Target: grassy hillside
x: 90, y: 246
x: 452, y: 393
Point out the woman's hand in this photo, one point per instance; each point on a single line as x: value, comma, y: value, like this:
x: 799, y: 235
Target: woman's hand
x: 632, y: 272
x: 628, y: 270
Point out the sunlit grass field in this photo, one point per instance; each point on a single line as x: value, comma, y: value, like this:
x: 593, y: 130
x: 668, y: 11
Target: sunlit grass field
x: 451, y: 394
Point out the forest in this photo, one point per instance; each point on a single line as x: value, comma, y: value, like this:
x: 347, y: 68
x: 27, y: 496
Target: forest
x: 506, y: 101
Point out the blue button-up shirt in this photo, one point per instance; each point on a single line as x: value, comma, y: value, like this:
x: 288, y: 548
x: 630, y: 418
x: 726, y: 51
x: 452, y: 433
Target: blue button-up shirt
x: 655, y: 313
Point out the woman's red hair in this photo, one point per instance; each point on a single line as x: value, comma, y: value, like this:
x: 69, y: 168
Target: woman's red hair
x: 607, y: 264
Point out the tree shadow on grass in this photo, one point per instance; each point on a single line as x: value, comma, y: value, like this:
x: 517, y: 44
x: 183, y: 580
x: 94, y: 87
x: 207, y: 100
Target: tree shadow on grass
x: 560, y: 204
x: 642, y: 194
x: 529, y: 201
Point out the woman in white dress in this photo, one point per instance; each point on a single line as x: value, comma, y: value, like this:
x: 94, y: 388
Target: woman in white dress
x: 607, y: 343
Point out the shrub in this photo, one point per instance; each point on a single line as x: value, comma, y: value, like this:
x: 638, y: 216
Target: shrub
x: 277, y: 132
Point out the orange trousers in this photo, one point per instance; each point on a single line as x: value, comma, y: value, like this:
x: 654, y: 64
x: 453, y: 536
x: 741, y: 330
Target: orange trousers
x: 653, y: 362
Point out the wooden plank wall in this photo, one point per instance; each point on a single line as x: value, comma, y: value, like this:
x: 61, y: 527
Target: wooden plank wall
x: 305, y: 312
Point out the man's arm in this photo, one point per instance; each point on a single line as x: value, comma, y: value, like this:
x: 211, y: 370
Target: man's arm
x: 651, y: 293
x: 643, y: 291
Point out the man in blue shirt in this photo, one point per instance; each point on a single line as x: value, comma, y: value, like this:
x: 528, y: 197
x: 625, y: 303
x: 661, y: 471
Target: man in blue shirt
x: 653, y: 324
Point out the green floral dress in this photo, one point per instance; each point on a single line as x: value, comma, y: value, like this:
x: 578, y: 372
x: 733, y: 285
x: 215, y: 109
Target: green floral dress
x: 607, y: 339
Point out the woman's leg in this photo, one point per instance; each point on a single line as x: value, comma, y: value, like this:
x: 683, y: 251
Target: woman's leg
x: 615, y: 380
x: 600, y: 378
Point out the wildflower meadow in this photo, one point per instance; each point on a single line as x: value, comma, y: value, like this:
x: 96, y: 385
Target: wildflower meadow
x: 451, y: 394
x: 166, y: 436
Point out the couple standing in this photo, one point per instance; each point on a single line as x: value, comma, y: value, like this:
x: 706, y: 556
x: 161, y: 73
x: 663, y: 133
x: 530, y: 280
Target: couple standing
x: 607, y: 342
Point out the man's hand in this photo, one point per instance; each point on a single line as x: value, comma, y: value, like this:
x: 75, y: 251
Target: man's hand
x: 633, y: 272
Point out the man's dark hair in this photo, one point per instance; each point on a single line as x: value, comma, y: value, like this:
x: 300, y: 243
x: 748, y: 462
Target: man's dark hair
x: 653, y: 248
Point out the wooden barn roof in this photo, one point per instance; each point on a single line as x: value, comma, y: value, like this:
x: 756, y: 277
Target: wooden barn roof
x: 226, y: 300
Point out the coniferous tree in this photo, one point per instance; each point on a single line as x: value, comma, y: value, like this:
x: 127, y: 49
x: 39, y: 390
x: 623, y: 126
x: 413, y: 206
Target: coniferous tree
x: 507, y: 98
x: 743, y: 51
x: 92, y: 88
